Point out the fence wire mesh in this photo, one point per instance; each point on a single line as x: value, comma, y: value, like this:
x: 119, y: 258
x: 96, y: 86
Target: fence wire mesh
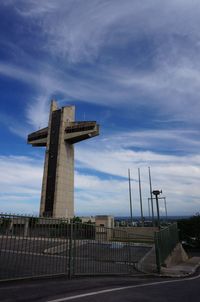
x: 165, y: 241
x: 33, y: 247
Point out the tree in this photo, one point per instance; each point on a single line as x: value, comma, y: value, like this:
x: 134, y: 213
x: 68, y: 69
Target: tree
x: 190, y: 229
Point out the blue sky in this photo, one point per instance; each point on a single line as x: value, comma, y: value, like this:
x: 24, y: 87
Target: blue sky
x: 134, y: 67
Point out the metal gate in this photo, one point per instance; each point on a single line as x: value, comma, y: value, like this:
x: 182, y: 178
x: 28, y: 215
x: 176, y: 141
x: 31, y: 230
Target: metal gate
x: 95, y: 251
x: 33, y: 247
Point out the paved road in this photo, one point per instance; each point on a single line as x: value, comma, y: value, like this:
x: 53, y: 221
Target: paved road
x: 136, y: 289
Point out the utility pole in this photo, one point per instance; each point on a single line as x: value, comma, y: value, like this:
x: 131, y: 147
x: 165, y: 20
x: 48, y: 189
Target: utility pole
x: 152, y: 210
x: 130, y: 196
x: 149, y: 210
x: 140, y: 191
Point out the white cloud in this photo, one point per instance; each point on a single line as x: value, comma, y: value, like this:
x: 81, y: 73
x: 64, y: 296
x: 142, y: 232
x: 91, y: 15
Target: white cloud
x: 37, y: 112
x: 120, y: 148
x: 17, y: 72
x: 20, y: 182
x: 84, y: 32
x: 17, y: 205
x: 95, y: 196
x: 83, y: 28
x: 178, y: 176
x: 20, y: 179
x: 13, y: 125
x: 172, y: 91
x: 20, y: 171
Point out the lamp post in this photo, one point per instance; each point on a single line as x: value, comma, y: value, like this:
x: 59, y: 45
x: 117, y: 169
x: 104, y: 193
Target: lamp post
x: 157, y: 193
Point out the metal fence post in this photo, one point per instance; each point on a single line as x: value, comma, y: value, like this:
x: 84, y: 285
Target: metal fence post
x: 129, y: 253
x: 157, y: 251
x: 70, y: 267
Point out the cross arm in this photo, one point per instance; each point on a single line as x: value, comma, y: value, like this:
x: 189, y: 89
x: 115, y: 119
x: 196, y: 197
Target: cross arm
x: 38, y: 138
x: 79, y: 131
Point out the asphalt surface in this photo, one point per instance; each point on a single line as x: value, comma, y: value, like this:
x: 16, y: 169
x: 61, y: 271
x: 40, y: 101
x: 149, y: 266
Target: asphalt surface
x: 29, y: 257
x: 138, y: 288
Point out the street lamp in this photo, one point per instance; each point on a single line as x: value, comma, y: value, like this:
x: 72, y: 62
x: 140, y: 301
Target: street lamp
x: 157, y: 193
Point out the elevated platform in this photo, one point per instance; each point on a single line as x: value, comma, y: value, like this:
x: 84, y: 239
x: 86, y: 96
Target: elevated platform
x: 79, y: 131
x: 38, y: 138
x: 74, y: 133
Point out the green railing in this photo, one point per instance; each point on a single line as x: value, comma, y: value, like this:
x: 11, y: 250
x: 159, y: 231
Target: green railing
x: 165, y: 241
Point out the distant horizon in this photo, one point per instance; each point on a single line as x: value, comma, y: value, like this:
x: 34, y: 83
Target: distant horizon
x: 138, y: 217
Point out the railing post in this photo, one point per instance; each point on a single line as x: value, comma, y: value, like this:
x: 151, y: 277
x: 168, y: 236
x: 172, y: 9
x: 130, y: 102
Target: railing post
x: 157, y: 251
x: 129, y: 253
x: 70, y: 266
x: 74, y: 240
x: 26, y: 227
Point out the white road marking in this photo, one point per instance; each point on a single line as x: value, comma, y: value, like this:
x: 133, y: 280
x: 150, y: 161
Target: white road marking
x: 122, y: 288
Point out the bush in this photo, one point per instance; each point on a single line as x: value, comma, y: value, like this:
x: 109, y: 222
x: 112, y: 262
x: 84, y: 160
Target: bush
x: 190, y: 230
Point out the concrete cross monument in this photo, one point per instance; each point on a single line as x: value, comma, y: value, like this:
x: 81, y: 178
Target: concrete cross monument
x: 57, y: 197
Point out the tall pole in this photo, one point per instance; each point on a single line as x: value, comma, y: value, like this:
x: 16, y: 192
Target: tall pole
x: 140, y: 191
x: 149, y: 211
x: 130, y: 196
x: 150, y: 186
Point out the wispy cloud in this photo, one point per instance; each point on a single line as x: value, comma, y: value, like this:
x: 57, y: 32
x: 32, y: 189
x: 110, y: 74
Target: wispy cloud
x: 128, y: 18
x: 178, y: 177
x: 13, y: 125
x: 20, y: 184
x: 78, y: 61
x: 37, y: 112
x: 20, y: 171
x: 17, y: 72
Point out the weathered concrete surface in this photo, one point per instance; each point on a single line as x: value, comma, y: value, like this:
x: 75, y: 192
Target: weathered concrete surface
x: 143, y: 231
x: 178, y: 264
x: 148, y: 263
x: 183, y: 269
x: 139, y: 234
x: 177, y: 256
x: 57, y: 197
